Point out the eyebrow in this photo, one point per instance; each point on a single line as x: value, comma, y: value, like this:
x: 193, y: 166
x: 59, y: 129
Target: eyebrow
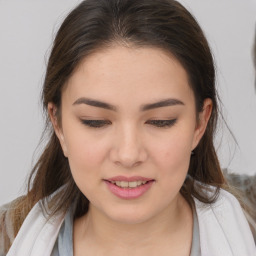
x: 95, y: 103
x: 101, y: 104
x: 162, y: 103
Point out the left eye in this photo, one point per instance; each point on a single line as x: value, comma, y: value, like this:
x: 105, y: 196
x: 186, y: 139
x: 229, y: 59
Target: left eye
x: 162, y: 123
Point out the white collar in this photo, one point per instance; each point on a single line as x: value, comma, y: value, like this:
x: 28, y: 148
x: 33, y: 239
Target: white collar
x: 223, y: 230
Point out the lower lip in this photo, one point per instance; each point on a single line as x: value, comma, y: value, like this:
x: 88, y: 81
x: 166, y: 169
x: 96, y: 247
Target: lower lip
x: 129, y: 193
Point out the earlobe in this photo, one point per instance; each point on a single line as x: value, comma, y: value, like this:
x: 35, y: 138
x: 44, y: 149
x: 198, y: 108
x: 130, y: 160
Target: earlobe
x: 203, y: 119
x: 52, y: 111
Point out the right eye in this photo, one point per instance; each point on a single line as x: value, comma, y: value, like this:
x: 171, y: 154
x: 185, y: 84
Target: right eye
x: 95, y: 123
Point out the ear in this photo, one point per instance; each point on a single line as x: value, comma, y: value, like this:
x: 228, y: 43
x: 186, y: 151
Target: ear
x: 52, y: 111
x: 202, y: 122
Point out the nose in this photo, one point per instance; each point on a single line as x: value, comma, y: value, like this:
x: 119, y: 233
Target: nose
x: 128, y: 149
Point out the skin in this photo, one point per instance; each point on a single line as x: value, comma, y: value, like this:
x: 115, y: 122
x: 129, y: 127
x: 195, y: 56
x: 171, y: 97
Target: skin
x: 160, y: 222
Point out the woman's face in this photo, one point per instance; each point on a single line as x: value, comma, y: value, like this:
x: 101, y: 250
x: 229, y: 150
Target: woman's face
x: 128, y: 126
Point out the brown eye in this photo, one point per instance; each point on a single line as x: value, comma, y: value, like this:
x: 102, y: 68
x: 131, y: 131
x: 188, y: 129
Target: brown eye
x: 162, y: 123
x: 96, y: 123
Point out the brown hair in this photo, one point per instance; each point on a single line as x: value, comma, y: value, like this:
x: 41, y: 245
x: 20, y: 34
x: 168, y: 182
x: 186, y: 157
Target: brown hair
x: 164, y: 24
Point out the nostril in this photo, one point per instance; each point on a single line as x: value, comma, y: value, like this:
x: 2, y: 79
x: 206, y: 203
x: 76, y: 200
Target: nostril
x: 128, y: 155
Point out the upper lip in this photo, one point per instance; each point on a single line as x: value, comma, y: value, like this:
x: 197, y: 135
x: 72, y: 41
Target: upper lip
x: 129, y: 179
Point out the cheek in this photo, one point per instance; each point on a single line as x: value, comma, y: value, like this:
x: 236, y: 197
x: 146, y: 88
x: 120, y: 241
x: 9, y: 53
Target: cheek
x: 85, y: 154
x: 83, y: 148
x: 85, y: 157
x: 85, y: 160
x: 172, y: 158
x: 174, y: 150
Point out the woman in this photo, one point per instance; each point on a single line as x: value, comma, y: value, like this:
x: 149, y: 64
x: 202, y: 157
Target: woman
x: 130, y: 167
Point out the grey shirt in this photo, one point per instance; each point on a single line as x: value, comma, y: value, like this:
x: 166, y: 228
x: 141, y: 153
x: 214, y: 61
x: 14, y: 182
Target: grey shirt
x: 64, y: 242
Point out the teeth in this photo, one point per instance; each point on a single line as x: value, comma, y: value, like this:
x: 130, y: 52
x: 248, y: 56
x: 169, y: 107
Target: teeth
x: 123, y: 184
x: 126, y: 184
x: 134, y: 184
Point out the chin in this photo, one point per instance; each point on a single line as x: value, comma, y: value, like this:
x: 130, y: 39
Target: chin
x: 130, y: 215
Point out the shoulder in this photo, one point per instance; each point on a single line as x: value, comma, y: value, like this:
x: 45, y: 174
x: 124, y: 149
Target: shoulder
x: 225, y: 206
x: 223, y: 223
x: 11, y: 218
x: 226, y: 209
x: 6, y: 228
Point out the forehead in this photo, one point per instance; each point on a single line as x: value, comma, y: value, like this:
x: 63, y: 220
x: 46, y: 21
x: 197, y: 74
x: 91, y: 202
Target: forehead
x: 119, y: 73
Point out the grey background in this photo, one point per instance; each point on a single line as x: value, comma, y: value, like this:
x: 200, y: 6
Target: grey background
x: 27, y: 29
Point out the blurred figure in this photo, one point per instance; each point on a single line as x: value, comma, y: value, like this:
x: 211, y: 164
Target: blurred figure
x: 254, y: 57
x: 246, y: 184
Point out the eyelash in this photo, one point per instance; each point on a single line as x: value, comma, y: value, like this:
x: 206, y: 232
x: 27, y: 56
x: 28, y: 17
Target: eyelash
x: 162, y: 123
x: 95, y: 123
x: 102, y: 123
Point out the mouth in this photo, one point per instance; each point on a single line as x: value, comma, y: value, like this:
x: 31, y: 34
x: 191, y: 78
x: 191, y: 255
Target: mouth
x: 129, y: 188
x: 129, y: 184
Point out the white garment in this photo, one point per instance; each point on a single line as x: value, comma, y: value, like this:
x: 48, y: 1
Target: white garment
x: 223, y: 230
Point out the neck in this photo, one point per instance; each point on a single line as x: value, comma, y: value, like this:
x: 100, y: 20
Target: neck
x: 168, y: 224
